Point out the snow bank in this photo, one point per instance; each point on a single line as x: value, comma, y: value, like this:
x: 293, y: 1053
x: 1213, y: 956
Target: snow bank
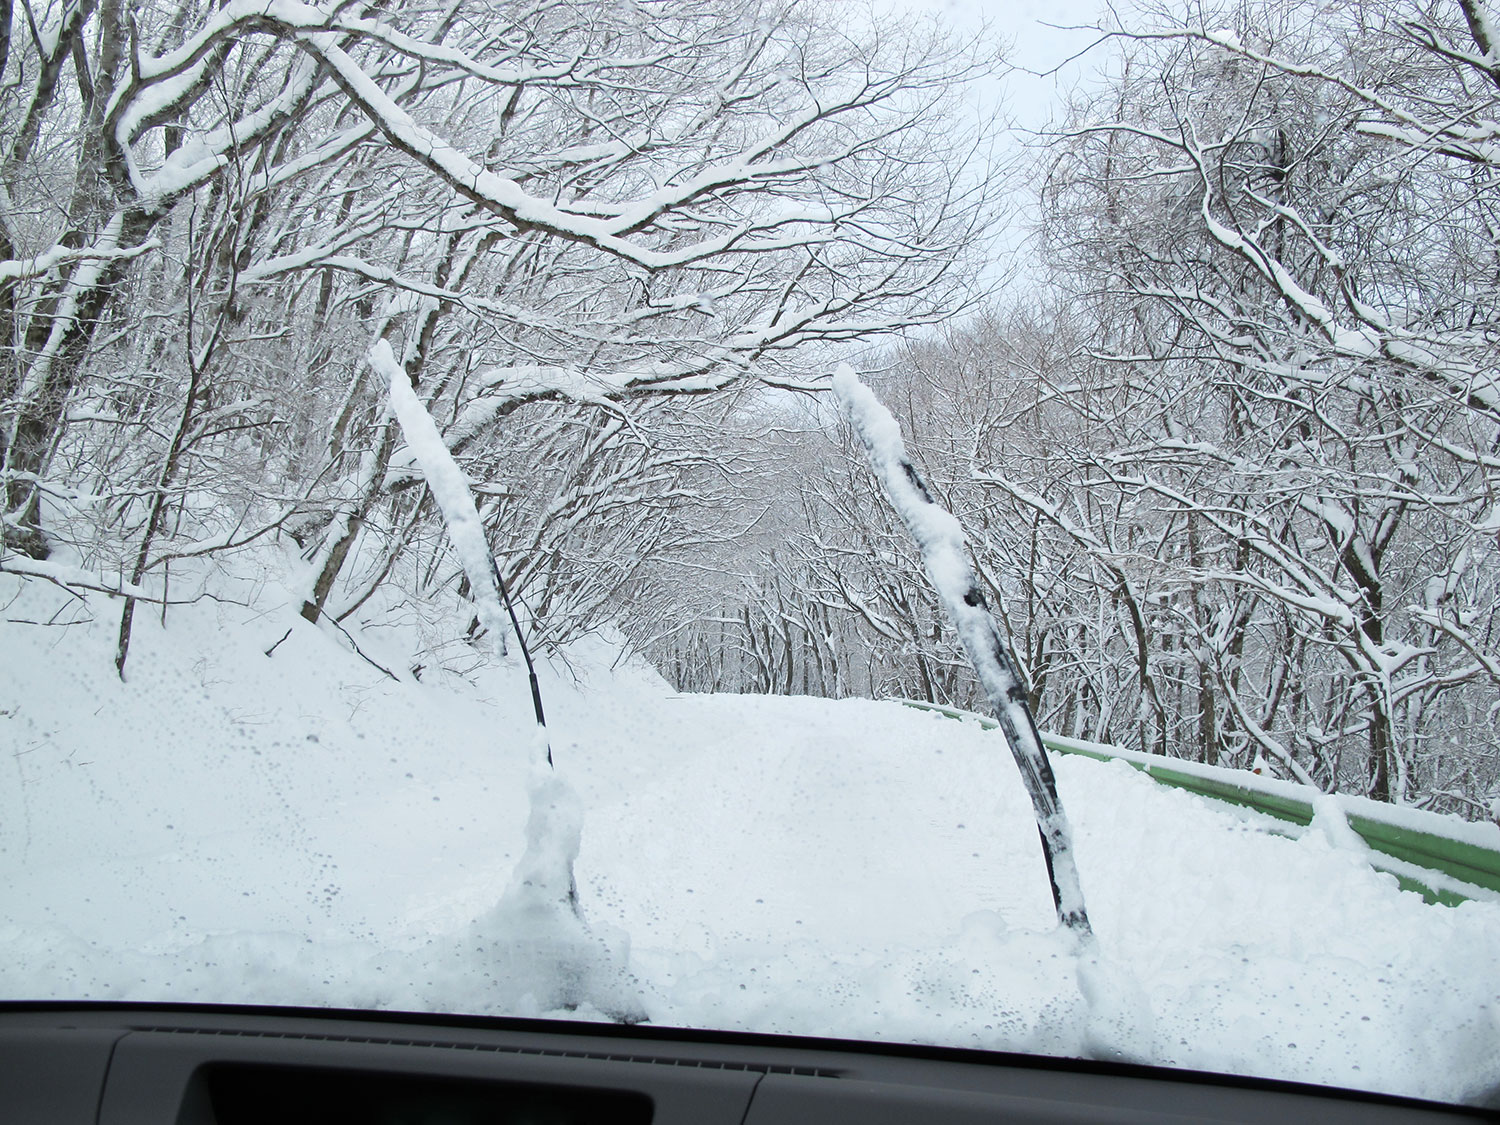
x: 297, y: 828
x: 1479, y: 834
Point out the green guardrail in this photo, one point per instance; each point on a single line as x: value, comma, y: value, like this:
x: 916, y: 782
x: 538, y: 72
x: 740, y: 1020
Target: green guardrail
x: 1430, y: 853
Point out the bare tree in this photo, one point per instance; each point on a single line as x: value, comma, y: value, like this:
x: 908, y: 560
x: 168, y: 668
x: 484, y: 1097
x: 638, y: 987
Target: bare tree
x: 553, y: 212
x: 1289, y: 251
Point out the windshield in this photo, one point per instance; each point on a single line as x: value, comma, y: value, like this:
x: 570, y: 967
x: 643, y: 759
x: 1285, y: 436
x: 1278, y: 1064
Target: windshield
x: 762, y: 515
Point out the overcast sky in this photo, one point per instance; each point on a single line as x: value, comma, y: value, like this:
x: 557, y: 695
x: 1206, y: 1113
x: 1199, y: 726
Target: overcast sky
x: 1037, y: 46
x: 1029, y: 99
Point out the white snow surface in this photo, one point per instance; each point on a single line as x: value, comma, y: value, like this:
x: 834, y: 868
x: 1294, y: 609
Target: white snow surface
x: 298, y: 828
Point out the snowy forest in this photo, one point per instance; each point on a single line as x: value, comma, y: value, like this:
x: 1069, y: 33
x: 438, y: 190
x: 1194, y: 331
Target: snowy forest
x: 1224, y: 431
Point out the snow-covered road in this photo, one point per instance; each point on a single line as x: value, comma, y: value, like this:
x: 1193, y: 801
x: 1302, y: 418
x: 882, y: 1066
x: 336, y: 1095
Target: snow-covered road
x: 298, y: 828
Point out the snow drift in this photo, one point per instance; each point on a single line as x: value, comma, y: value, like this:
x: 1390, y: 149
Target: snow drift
x: 298, y: 828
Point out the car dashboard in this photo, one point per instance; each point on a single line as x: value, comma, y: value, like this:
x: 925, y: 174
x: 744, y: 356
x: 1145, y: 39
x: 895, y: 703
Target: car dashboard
x: 105, y: 1064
